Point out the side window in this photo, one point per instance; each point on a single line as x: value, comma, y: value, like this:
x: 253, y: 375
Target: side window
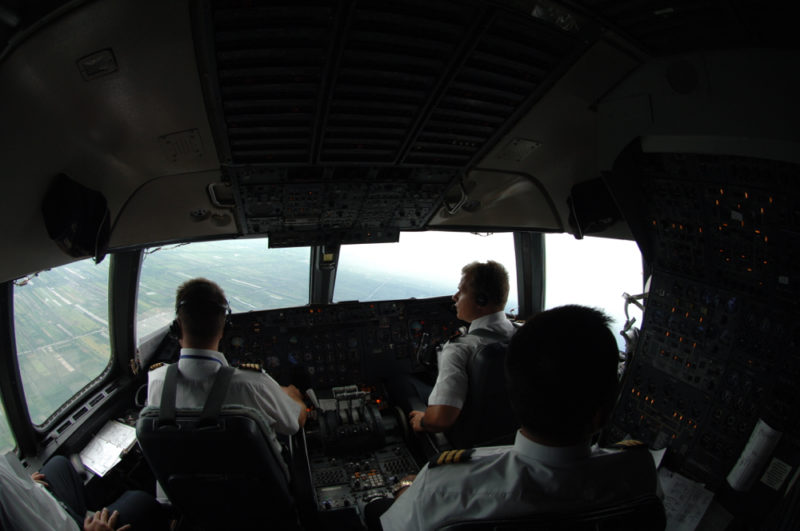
x: 421, y: 264
x: 61, y: 328
x: 252, y: 276
x: 593, y: 272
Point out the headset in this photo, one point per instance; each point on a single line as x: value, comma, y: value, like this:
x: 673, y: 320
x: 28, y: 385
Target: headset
x: 481, y: 299
x: 175, y: 327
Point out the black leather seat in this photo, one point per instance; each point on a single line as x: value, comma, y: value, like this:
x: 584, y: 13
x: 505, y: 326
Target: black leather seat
x: 645, y: 513
x: 219, y: 467
x: 486, y: 418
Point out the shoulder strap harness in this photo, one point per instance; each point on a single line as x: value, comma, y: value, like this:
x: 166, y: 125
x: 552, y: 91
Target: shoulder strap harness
x: 212, y: 407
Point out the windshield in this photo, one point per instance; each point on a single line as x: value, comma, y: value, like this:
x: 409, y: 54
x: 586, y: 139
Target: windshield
x: 421, y: 264
x: 594, y: 272
x: 252, y: 276
x: 61, y: 331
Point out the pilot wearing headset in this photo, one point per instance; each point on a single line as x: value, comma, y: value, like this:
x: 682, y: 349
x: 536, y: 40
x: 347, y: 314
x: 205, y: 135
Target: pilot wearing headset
x: 480, y: 301
x: 201, y: 314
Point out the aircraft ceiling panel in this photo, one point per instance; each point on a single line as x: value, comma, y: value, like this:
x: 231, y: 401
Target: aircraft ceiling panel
x: 106, y: 94
x: 390, y: 88
x: 687, y: 25
x: 372, y: 82
x: 179, y: 201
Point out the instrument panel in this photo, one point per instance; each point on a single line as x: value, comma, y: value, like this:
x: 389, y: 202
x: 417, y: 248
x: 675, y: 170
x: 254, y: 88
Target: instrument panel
x: 339, y: 344
x: 718, y: 349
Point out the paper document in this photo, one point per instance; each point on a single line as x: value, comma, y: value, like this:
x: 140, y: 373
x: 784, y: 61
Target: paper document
x: 106, y: 449
x: 754, y: 457
x: 685, y: 501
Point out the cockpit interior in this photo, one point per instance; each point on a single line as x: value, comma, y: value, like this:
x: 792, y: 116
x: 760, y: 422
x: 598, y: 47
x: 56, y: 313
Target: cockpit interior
x: 333, y: 164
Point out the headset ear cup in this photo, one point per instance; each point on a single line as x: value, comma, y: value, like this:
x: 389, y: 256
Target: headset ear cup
x: 228, y: 321
x: 175, y: 329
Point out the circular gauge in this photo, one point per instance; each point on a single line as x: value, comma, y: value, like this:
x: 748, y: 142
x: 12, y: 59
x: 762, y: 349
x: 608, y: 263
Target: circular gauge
x: 237, y: 341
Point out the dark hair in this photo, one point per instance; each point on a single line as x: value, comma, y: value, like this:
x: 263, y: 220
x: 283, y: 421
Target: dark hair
x: 561, y: 369
x: 488, y: 282
x: 202, y: 308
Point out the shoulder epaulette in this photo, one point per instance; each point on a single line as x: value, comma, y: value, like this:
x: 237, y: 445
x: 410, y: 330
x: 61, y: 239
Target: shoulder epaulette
x: 455, y: 335
x: 250, y: 366
x: 629, y: 444
x: 156, y: 366
x: 451, y: 456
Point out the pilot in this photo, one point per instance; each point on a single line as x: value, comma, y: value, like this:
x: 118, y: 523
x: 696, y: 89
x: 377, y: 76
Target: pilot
x: 561, y: 370
x: 480, y: 300
x: 201, y: 312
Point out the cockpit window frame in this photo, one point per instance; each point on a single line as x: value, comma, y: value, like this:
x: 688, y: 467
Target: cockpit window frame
x: 27, y: 433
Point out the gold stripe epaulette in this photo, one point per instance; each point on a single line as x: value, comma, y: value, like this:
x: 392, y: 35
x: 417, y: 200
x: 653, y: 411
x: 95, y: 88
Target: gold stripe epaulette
x: 156, y: 366
x: 628, y: 444
x: 451, y: 456
x: 250, y: 366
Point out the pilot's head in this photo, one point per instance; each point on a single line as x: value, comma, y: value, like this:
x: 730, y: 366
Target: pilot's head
x: 561, y: 370
x: 200, y: 311
x: 483, y: 290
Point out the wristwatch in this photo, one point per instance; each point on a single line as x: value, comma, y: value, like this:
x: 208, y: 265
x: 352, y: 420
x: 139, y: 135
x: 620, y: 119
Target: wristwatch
x: 400, y: 485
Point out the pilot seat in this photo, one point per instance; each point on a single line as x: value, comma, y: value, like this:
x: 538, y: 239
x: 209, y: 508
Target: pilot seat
x: 221, y: 467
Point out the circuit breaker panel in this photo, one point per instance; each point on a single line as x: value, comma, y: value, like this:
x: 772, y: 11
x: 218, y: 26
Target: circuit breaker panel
x: 718, y: 349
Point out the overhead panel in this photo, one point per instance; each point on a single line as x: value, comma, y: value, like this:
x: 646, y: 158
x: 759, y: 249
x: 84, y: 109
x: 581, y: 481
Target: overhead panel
x: 347, y: 121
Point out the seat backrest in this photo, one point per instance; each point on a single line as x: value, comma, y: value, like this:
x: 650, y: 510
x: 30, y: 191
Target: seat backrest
x: 644, y: 513
x: 486, y: 418
x: 219, y: 473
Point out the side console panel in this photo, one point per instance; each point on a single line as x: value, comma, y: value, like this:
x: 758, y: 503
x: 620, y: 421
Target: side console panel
x: 719, y: 348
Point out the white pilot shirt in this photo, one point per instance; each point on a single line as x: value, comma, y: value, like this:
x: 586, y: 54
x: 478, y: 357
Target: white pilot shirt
x: 451, y: 383
x: 250, y: 389
x: 26, y: 505
x: 518, y: 480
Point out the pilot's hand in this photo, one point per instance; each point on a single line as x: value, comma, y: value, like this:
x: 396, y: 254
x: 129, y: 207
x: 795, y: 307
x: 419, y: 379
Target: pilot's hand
x: 294, y: 393
x: 38, y: 477
x: 404, y: 484
x: 102, y: 521
x: 415, y: 418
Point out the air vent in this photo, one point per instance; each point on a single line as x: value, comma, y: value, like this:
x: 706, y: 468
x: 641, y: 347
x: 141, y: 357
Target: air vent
x: 96, y: 400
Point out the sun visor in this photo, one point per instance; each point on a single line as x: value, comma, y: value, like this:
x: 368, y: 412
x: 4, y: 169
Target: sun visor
x: 77, y: 218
